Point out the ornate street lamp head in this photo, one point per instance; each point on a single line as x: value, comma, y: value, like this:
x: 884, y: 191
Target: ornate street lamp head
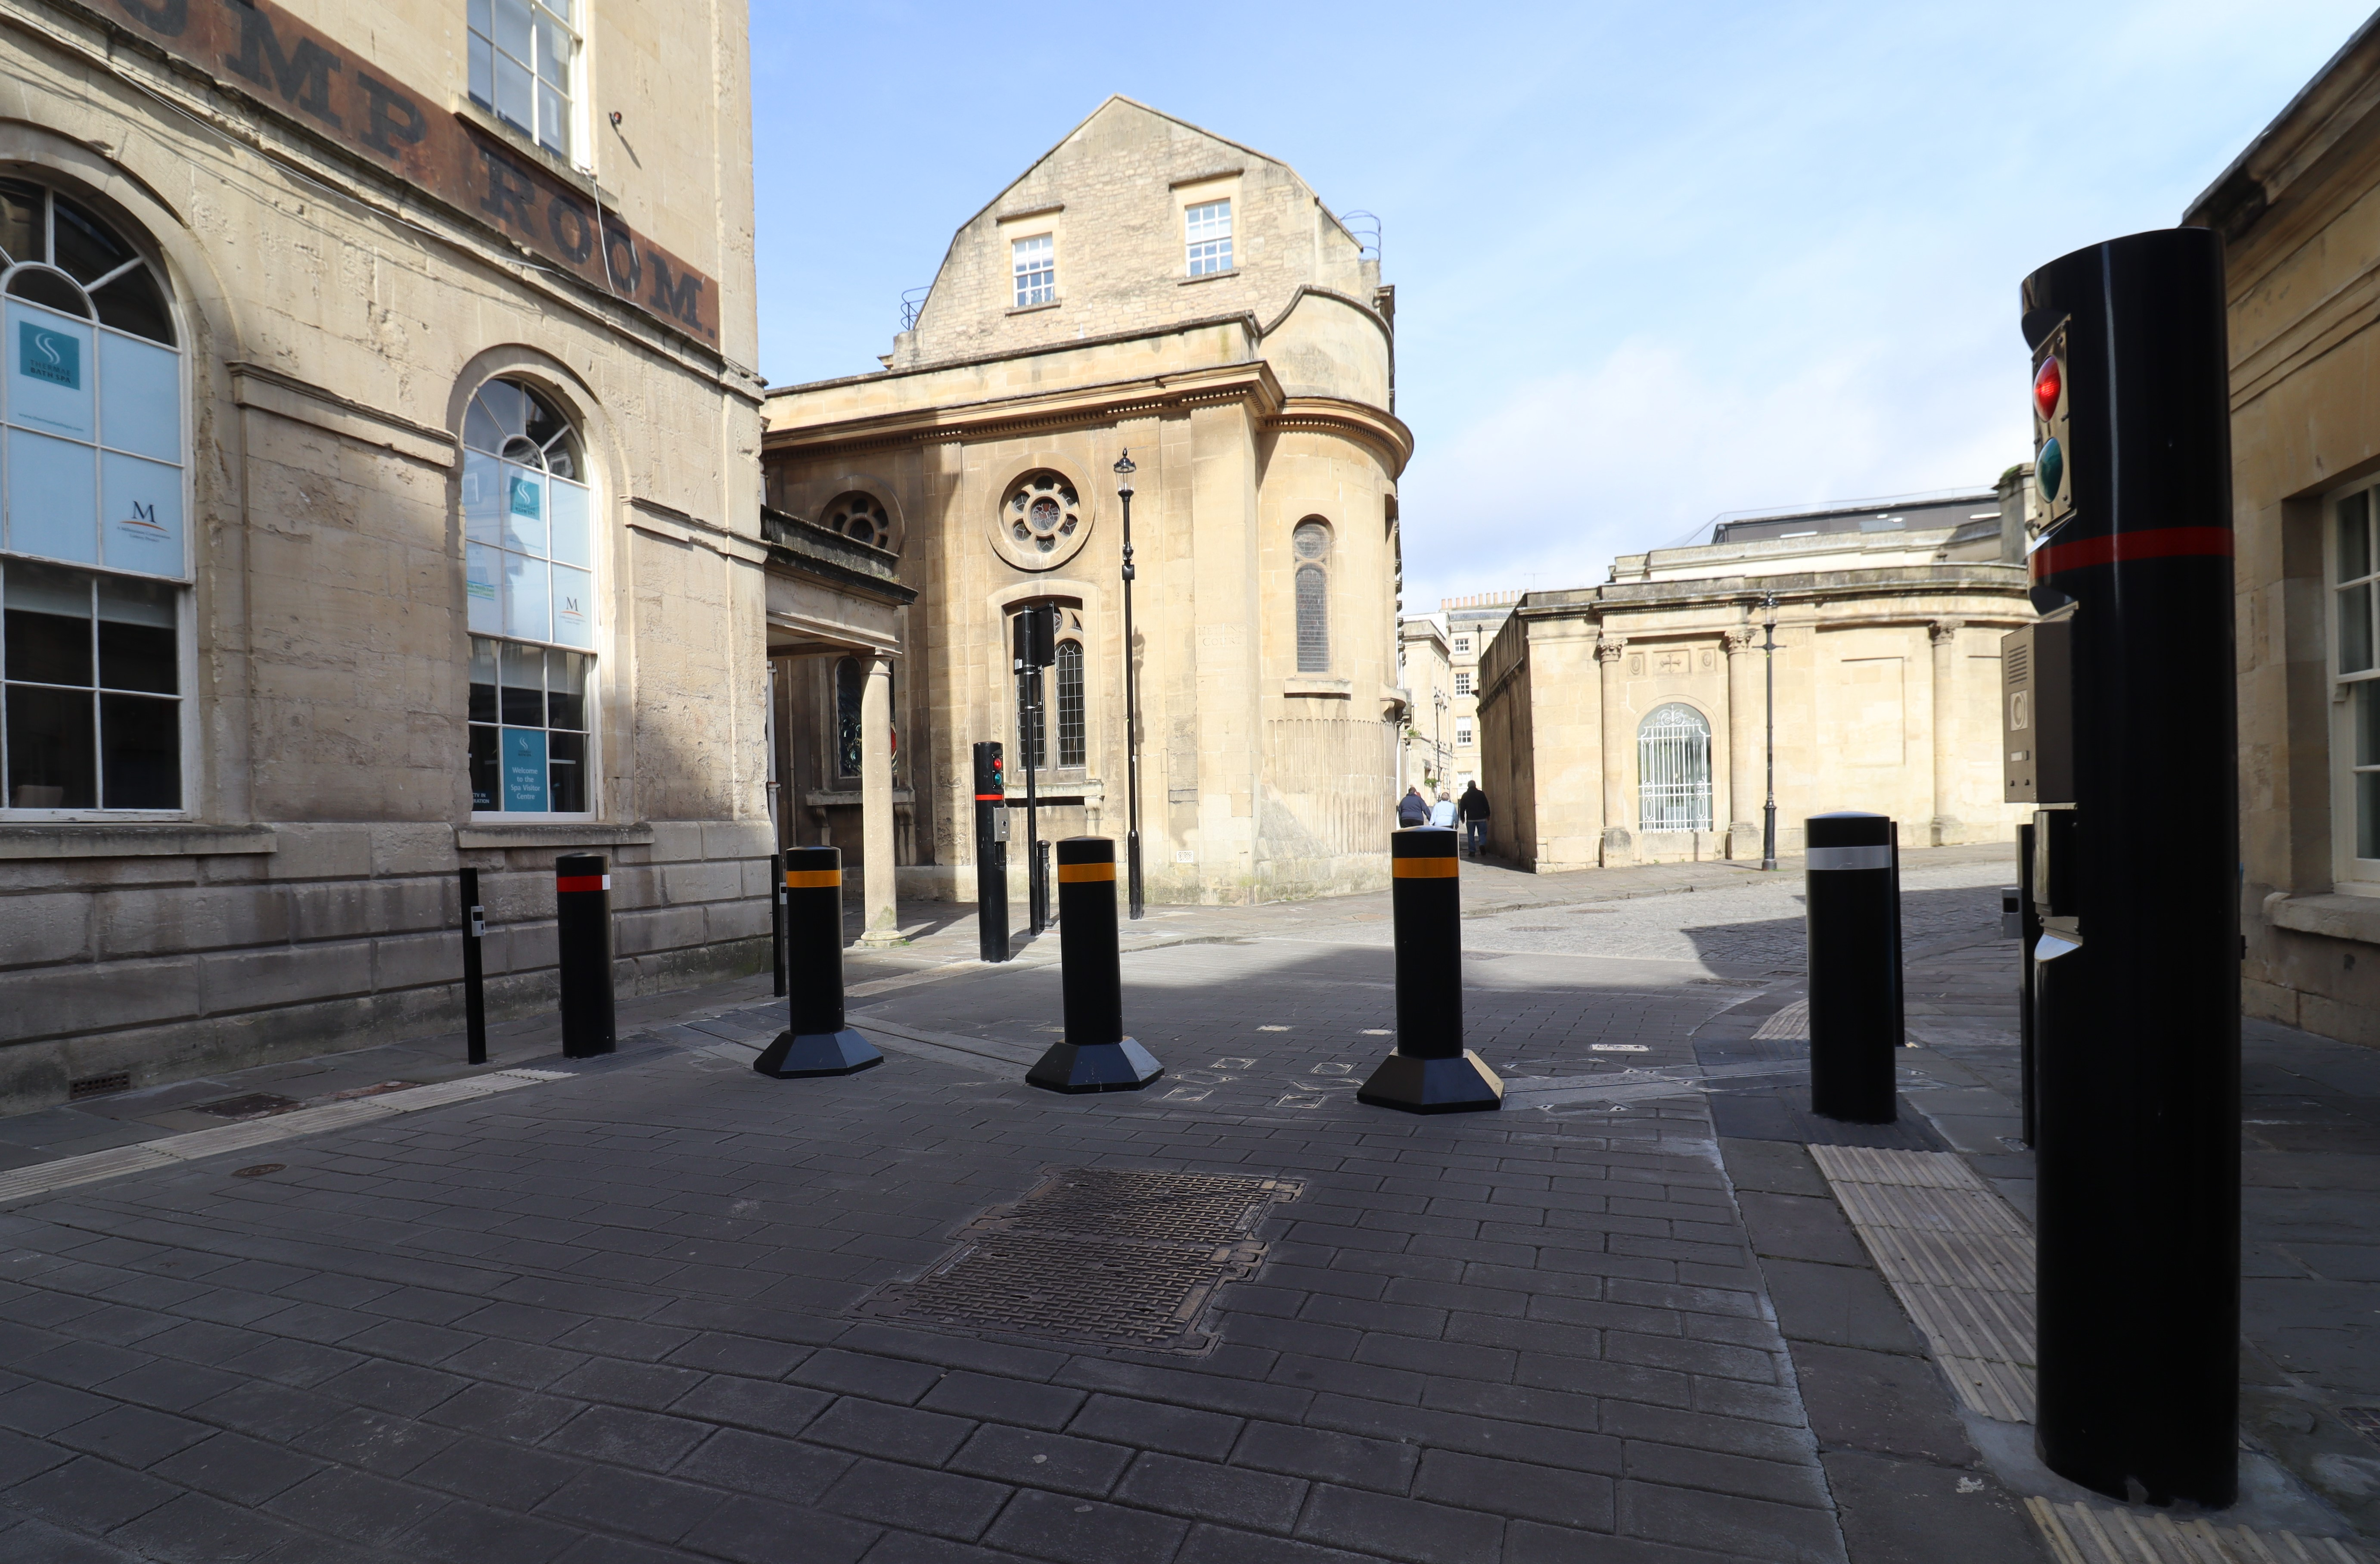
x: 1124, y: 471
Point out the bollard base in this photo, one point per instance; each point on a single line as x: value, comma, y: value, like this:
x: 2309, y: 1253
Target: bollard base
x: 1095, y: 1067
x: 1460, y: 1085
x: 817, y: 1053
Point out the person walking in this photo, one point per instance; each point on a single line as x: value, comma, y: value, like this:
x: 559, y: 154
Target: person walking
x: 1442, y: 814
x: 1413, y: 810
x: 1474, y: 805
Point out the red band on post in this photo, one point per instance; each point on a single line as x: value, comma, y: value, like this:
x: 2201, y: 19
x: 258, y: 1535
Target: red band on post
x: 582, y: 883
x: 2163, y: 542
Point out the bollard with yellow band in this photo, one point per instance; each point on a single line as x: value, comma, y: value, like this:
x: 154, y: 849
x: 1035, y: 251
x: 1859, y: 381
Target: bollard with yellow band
x: 1095, y: 1055
x: 1430, y: 1071
x: 815, y: 1041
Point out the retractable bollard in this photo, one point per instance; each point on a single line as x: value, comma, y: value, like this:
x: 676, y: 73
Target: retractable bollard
x: 1095, y: 1055
x: 1430, y: 1071
x: 582, y: 918
x: 1854, y: 943
x: 815, y: 1041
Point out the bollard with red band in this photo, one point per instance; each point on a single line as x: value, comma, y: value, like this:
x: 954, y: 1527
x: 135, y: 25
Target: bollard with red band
x: 815, y: 1041
x: 1095, y: 1055
x: 582, y: 928
x: 1430, y: 1071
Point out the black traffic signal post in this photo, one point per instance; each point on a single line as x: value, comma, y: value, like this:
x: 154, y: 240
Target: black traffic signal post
x: 2120, y: 715
x: 991, y: 852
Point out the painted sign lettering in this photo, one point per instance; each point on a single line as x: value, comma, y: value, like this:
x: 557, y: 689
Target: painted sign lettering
x: 264, y: 51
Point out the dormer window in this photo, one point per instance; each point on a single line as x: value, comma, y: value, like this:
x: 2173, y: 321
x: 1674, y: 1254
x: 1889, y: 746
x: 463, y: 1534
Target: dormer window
x: 1207, y: 228
x: 1036, y: 264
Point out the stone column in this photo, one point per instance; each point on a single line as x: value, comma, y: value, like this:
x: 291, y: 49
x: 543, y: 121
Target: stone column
x: 1745, y: 749
x: 879, y: 896
x: 1944, y: 828
x: 1619, y: 843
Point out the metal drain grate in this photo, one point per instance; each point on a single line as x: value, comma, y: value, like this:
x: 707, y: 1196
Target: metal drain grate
x: 99, y: 1086
x: 1096, y: 1254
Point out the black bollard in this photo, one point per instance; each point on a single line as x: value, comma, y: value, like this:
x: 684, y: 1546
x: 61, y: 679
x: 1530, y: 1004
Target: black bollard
x: 776, y: 931
x: 1095, y: 1055
x: 1430, y: 1071
x: 582, y: 931
x: 2028, y: 934
x: 991, y: 852
x: 475, y: 995
x: 1854, y: 944
x: 815, y: 1041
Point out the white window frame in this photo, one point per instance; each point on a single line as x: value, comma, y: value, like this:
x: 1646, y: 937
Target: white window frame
x: 479, y: 28
x: 1207, y: 238
x: 1462, y: 733
x: 599, y: 654
x: 186, y: 599
x: 1462, y: 681
x: 2351, y: 874
x: 1040, y: 262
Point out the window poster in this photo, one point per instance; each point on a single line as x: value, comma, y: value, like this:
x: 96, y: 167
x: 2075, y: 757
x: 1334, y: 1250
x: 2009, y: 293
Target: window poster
x: 524, y: 511
x: 140, y: 524
x: 573, y: 543
x: 573, y: 607
x: 524, y: 752
x: 53, y: 495
x: 49, y: 371
x: 480, y: 565
x: 139, y: 398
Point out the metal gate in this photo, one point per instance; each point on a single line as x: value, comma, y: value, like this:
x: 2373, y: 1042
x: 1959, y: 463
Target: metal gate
x: 1673, y: 770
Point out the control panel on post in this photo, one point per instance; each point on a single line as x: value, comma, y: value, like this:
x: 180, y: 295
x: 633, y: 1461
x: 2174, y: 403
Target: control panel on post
x: 2037, y: 711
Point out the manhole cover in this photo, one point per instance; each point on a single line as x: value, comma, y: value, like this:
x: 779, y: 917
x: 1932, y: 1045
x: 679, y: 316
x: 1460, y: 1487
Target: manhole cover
x: 1096, y: 1254
x: 259, y: 1170
x: 256, y: 1105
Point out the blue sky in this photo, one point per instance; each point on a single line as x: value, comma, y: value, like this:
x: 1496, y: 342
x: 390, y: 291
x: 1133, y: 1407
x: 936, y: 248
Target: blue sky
x: 1653, y: 262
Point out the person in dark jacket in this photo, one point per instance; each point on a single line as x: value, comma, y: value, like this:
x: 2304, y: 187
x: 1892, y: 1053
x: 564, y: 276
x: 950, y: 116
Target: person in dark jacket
x: 1413, y: 810
x: 1474, y: 807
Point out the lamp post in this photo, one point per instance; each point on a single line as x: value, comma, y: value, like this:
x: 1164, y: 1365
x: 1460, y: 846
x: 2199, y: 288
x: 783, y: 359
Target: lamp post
x: 1124, y: 471
x: 1768, y: 660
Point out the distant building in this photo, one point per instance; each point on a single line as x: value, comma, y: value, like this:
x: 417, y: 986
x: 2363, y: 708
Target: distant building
x: 1426, y: 676
x: 1625, y: 723
x: 2294, y: 213
x: 1151, y: 286
x: 1470, y: 623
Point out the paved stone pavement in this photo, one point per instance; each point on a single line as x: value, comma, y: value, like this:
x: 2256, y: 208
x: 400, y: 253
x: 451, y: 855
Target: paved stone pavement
x: 613, y: 1317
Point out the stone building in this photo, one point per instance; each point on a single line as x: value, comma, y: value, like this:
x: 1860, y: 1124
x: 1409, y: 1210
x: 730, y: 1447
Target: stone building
x: 2299, y: 216
x: 1472, y: 623
x: 1426, y: 675
x: 382, y: 498
x: 1144, y: 287
x: 1625, y: 723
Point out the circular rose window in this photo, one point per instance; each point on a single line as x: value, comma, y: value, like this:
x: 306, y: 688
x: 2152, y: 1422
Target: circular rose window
x: 1042, y: 513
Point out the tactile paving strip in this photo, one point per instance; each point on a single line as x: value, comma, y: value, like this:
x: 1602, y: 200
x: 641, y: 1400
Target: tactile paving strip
x: 1096, y: 1254
x: 2089, y: 1533
x: 1958, y: 1259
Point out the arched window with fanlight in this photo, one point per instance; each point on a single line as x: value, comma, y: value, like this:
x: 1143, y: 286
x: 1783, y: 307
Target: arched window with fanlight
x: 1311, y: 543
x: 94, y: 554
x: 1674, y: 770
x: 529, y: 567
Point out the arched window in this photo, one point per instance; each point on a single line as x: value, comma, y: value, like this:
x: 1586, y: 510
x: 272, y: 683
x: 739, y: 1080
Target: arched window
x: 529, y: 570
x: 91, y: 712
x: 1070, y: 703
x: 860, y: 517
x: 1311, y: 543
x: 1674, y: 770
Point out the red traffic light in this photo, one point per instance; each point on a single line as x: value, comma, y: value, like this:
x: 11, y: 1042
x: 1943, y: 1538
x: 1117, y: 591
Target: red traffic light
x: 2047, y: 386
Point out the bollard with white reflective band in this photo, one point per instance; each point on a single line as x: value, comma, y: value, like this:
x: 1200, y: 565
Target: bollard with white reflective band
x: 582, y: 919
x: 1854, y: 944
x: 815, y: 1041
x: 1095, y: 1055
x: 1430, y: 1071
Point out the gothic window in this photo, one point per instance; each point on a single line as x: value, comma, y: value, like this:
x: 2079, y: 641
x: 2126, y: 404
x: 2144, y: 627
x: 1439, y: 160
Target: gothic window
x: 2354, y: 559
x: 529, y: 583
x: 850, y: 687
x: 1041, y: 511
x: 861, y: 517
x: 1035, y: 261
x: 1207, y: 229
x: 1674, y: 770
x: 1311, y: 543
x: 1070, y: 703
x: 92, y: 476
x: 523, y: 65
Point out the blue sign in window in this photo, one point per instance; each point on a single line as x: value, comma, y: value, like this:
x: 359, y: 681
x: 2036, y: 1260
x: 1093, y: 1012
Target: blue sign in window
x: 525, y: 783
x: 49, y: 355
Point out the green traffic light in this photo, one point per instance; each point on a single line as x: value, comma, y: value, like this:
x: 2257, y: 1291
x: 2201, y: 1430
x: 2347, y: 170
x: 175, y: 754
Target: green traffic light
x: 2049, y: 469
